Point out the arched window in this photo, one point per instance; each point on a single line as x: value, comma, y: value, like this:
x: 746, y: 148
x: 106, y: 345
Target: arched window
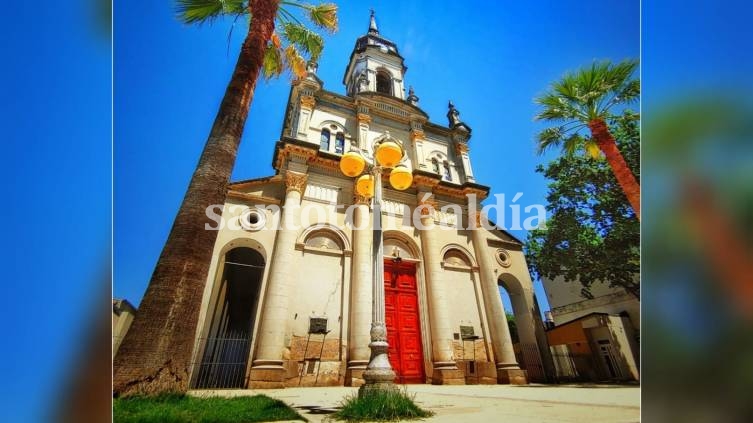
x: 456, y: 258
x: 339, y: 143
x: 435, y: 165
x: 447, y: 173
x: 383, y: 83
x: 324, y: 143
x: 324, y: 239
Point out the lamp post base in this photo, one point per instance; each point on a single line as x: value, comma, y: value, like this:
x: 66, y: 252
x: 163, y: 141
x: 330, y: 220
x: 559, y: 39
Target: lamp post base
x: 378, y: 374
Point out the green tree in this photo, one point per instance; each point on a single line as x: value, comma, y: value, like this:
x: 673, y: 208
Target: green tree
x: 155, y: 355
x: 586, y: 99
x: 513, y: 327
x: 592, y: 233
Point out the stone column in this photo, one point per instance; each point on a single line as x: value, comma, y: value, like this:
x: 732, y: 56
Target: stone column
x: 461, y: 149
x: 508, y: 370
x: 360, y: 303
x: 268, y: 368
x: 445, y: 370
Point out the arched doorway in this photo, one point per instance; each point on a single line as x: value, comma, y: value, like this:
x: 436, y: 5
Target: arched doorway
x: 226, y: 349
x: 402, y: 312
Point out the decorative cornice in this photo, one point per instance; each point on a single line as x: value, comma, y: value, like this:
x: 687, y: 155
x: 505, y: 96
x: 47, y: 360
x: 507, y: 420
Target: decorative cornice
x: 295, y: 181
x: 422, y: 181
x: 480, y: 193
x: 254, y: 182
x: 324, y: 163
x: 308, y: 102
x: 290, y: 151
x: 251, y: 198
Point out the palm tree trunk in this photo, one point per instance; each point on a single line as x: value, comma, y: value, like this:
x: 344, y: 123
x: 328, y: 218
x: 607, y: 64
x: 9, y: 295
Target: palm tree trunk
x: 625, y: 177
x: 155, y: 355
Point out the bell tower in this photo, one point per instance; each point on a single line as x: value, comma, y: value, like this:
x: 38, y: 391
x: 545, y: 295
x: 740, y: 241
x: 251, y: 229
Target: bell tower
x: 375, y: 65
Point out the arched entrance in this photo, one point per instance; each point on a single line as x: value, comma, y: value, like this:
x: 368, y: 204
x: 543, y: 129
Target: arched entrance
x: 226, y: 349
x: 527, y: 332
x: 402, y: 310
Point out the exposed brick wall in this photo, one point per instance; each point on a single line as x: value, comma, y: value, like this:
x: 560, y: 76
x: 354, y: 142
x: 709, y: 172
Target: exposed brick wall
x: 334, y: 349
x: 457, y: 350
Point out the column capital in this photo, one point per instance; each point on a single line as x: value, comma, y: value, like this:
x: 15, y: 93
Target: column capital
x: 461, y: 148
x: 363, y: 118
x: 478, y: 217
x: 295, y: 181
x: 428, y: 205
x: 417, y: 135
x: 308, y: 102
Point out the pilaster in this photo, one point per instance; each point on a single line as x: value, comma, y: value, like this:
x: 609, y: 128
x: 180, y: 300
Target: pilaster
x: 461, y: 150
x: 307, y: 103
x: 364, y: 120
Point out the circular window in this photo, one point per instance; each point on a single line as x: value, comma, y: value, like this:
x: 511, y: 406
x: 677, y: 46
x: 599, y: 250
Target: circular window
x: 503, y: 257
x: 252, y: 219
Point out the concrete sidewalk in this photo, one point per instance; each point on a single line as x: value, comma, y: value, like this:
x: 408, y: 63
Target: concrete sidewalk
x: 481, y: 403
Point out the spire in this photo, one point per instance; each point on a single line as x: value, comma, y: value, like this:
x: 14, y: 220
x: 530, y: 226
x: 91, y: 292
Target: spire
x: 372, y: 24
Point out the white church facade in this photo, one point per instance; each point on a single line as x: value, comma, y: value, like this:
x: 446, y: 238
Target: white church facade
x: 289, y: 293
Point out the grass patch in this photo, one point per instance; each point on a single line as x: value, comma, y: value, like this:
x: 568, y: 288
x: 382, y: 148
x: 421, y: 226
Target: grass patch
x: 174, y: 408
x: 381, y: 406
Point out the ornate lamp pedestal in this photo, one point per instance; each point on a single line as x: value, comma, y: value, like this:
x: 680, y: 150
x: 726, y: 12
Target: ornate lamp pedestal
x: 388, y: 152
x: 379, y: 374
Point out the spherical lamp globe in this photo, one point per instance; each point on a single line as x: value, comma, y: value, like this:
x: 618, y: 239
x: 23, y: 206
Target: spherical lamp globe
x: 401, y: 178
x: 352, y: 164
x: 365, y: 186
x: 388, y: 153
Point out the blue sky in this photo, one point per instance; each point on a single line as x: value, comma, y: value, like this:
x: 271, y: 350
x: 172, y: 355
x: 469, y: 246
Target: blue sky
x: 490, y: 60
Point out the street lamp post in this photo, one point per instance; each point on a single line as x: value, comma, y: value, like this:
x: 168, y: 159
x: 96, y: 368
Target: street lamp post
x: 388, y: 152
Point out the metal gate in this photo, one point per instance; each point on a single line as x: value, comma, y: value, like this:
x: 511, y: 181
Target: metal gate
x: 224, y: 362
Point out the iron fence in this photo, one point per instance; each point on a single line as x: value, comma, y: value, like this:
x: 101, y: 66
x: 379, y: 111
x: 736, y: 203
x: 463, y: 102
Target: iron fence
x: 223, y: 362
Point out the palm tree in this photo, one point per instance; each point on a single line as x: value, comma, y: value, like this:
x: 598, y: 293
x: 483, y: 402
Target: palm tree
x: 585, y: 99
x: 155, y: 355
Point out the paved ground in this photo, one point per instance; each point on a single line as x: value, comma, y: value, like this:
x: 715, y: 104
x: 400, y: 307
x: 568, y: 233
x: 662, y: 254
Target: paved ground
x: 483, y: 403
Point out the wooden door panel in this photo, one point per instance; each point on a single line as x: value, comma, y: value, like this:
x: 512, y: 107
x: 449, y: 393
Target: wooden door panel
x: 403, y: 322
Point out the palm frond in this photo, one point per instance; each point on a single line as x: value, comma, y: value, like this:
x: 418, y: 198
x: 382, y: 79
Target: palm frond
x: 324, y: 16
x: 573, y: 143
x: 273, y: 64
x: 295, y: 62
x: 306, y: 40
x: 548, y: 138
x: 201, y: 11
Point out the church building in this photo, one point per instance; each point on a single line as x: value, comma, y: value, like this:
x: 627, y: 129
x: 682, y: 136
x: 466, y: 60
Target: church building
x: 288, y: 300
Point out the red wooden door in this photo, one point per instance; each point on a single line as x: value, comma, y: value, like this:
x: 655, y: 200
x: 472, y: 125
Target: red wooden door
x: 402, y: 320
